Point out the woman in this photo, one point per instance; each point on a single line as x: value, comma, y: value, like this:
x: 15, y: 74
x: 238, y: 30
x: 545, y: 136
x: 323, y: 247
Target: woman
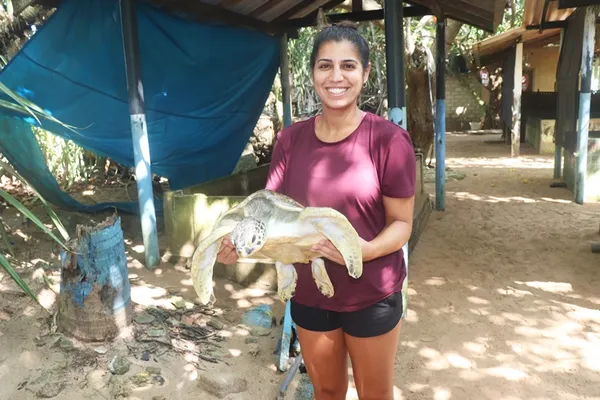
x: 363, y: 166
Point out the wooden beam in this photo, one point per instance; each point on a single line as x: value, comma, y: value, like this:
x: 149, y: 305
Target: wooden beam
x: 244, y: 7
x: 557, y: 147
x: 259, y: 12
x: 394, y: 61
x: 229, y: 3
x: 357, y: 5
x: 314, y: 7
x: 516, y: 106
x: 468, y: 17
x: 139, y: 132
x: 547, y: 25
x: 440, y: 115
x: 209, y: 13
x: 292, y: 11
x: 482, y: 9
x: 370, y: 15
x: 583, y: 127
x: 435, y: 8
x: 562, y: 4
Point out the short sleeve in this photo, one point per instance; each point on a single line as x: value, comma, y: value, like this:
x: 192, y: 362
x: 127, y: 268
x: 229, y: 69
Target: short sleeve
x: 276, y: 175
x: 397, y: 165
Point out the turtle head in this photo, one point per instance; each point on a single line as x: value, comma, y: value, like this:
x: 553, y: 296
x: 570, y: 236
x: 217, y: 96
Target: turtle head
x: 248, y: 236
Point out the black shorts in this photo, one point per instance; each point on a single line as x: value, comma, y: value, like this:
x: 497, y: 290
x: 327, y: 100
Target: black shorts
x: 374, y: 320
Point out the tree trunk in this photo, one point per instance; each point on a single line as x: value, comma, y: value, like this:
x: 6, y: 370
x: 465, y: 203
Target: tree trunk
x: 492, y: 112
x: 421, y: 86
x: 452, y: 29
x: 419, y: 100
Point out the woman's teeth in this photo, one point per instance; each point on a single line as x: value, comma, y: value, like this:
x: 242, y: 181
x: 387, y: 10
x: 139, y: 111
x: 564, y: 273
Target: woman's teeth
x: 337, y: 90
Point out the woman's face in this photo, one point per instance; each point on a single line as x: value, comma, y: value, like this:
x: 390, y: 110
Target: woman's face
x: 338, y: 75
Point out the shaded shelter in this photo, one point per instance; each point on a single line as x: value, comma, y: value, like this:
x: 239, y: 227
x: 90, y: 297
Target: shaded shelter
x: 550, y: 114
x: 182, y: 79
x: 252, y: 35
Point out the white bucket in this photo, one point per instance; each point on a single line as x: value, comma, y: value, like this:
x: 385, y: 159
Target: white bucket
x: 475, y: 126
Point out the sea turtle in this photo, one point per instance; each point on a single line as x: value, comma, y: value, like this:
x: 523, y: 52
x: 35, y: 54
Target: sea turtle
x: 270, y: 225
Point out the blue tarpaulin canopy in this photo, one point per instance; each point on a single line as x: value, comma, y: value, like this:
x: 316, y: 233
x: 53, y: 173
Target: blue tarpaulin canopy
x: 205, y: 87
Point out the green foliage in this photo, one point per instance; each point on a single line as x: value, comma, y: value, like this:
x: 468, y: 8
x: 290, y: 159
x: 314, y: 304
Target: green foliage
x: 16, y: 277
x: 26, y: 107
x: 67, y: 161
x: 469, y: 35
x: 303, y: 95
x: 305, y: 100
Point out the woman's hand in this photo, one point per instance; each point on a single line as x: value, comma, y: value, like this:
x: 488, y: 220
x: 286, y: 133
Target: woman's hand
x: 227, y: 254
x: 329, y: 251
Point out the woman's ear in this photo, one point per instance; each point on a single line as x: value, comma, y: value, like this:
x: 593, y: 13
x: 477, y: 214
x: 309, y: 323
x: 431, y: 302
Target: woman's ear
x: 366, y: 73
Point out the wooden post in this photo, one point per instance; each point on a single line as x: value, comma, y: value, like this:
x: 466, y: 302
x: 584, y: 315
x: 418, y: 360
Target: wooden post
x: 516, y: 107
x: 285, y: 82
x: 440, y: 115
x: 558, y: 147
x: 286, y: 333
x: 394, y: 58
x: 587, y: 58
x: 394, y: 54
x: 141, y: 146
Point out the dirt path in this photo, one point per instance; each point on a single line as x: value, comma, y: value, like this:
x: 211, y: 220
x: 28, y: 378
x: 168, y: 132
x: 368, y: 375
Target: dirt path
x: 503, y: 305
x: 504, y: 290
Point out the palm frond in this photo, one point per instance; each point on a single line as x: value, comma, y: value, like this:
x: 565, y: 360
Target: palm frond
x: 16, y: 277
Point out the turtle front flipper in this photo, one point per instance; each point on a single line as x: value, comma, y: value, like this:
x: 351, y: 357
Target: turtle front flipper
x: 319, y: 274
x: 336, y: 227
x: 287, y: 277
x: 204, y: 257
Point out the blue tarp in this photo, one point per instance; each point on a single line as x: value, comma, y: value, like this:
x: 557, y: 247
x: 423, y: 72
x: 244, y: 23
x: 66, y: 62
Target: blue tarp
x: 205, y: 87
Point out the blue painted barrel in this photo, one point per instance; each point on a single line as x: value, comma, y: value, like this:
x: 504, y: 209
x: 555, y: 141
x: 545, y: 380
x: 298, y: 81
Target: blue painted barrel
x: 95, y: 295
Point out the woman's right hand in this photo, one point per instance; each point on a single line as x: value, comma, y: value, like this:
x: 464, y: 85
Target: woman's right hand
x: 227, y: 254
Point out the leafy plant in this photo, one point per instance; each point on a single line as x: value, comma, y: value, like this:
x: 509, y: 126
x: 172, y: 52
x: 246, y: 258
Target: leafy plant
x: 26, y: 107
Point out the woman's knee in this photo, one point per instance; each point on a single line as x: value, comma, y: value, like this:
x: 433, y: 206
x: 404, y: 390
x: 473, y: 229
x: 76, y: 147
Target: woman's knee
x: 325, y: 356
x: 330, y: 391
x: 375, y: 393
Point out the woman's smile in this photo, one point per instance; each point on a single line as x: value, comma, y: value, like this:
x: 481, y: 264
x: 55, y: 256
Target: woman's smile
x: 337, y: 91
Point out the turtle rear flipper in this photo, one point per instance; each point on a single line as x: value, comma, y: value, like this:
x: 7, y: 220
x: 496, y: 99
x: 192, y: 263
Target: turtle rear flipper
x: 287, y: 277
x: 321, y: 277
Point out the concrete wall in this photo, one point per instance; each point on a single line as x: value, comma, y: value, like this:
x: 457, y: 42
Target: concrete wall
x: 543, y: 61
x: 593, y: 170
x: 462, y: 105
x: 540, y: 134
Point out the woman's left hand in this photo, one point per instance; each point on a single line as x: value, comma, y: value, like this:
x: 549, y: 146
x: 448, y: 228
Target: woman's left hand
x: 329, y: 251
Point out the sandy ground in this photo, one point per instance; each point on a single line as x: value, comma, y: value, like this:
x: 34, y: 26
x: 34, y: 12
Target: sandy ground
x: 502, y: 304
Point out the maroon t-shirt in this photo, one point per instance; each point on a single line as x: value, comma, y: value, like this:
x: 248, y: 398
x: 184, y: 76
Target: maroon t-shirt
x: 351, y: 176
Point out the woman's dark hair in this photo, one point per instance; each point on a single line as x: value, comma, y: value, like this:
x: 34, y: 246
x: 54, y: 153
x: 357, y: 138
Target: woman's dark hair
x: 344, y: 30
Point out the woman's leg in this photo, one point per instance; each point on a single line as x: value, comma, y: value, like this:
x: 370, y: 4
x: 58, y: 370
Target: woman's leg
x: 373, y: 364
x: 372, y: 336
x: 325, y: 357
x: 323, y: 350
